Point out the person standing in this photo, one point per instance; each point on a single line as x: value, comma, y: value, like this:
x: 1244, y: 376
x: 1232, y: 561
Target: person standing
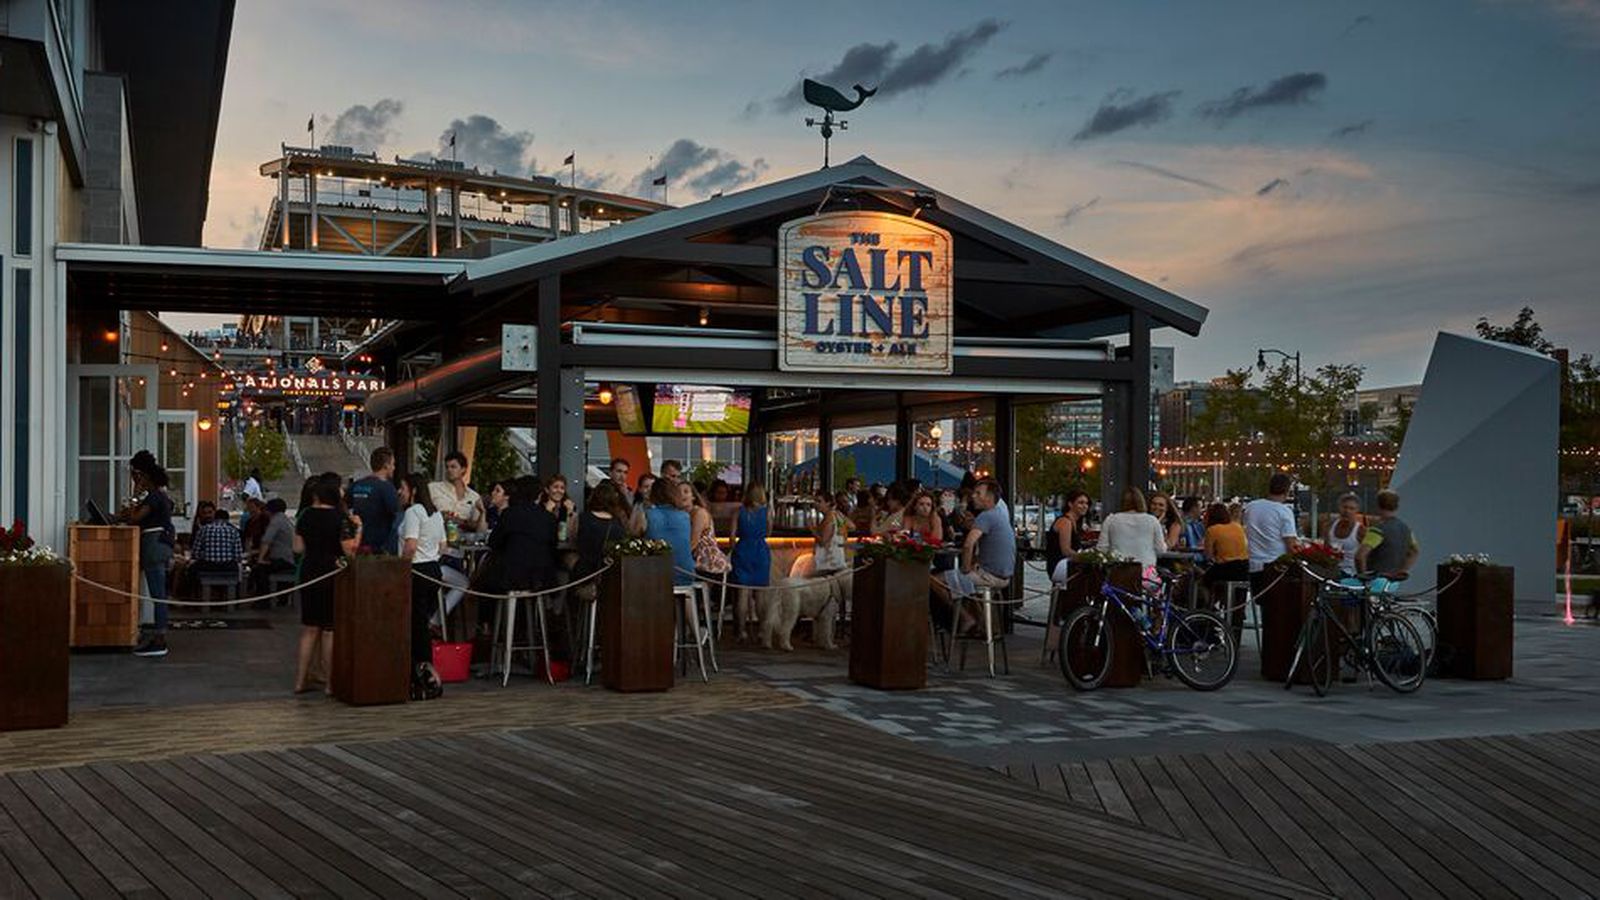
x: 252, y: 485
x: 752, y: 558
x: 377, y: 504
x: 421, y: 539
x: 830, y: 533
x: 152, y: 512
x: 619, y: 475
x: 1269, y: 529
x: 1389, y: 548
x: 459, y: 506
x: 1345, y: 533
x: 322, y: 540
x: 671, y: 470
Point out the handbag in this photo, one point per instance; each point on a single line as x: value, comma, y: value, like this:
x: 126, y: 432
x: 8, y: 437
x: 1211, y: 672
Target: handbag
x: 708, y: 557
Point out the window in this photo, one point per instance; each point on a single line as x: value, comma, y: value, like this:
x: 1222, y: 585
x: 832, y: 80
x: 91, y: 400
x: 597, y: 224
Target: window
x: 22, y: 328
x: 22, y: 188
x: 175, y: 448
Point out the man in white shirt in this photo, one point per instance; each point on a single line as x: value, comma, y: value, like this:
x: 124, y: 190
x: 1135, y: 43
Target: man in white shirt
x: 1269, y: 527
x: 460, y: 504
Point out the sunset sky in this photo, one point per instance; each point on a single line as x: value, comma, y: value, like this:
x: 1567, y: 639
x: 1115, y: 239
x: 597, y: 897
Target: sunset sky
x: 1339, y: 179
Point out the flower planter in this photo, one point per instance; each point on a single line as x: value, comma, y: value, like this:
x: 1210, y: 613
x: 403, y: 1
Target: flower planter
x: 1283, y: 608
x: 372, y: 631
x: 889, y: 625
x: 1127, y: 647
x: 35, y: 636
x: 636, y: 624
x: 1475, y: 614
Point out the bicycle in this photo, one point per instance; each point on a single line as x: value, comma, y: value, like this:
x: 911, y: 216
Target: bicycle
x: 1197, y: 647
x: 1385, y: 645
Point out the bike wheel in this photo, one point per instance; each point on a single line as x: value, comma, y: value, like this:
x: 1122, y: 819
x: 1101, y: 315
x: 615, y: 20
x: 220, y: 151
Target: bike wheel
x: 1428, y: 631
x: 1320, y: 658
x: 1201, y: 649
x: 1395, y: 652
x: 1085, y: 652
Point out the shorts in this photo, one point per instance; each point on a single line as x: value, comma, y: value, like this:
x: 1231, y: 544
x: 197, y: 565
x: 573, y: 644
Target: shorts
x: 965, y: 584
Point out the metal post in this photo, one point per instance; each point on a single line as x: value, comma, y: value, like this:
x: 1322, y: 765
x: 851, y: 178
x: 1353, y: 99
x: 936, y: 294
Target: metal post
x: 283, y: 205
x: 433, y: 218
x: 1138, y: 464
x: 311, y: 222
x: 572, y: 458
x: 1005, y: 455
x: 554, y: 205
x: 825, y: 454
x: 548, y: 377
x: 455, y: 214
x: 905, y: 449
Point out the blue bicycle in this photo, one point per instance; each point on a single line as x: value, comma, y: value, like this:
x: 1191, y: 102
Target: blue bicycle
x: 1197, y: 647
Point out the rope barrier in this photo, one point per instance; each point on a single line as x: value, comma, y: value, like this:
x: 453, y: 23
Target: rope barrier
x: 520, y: 595
x: 208, y: 603
x: 775, y: 587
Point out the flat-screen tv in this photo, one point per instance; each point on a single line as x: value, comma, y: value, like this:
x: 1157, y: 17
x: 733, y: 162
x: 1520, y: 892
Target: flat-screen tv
x: 700, y: 409
x: 630, y: 415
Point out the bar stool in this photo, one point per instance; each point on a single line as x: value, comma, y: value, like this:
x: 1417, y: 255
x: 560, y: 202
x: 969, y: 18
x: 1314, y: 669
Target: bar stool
x: 505, y: 628
x: 990, y: 602
x: 591, y: 623
x: 1252, y: 612
x: 277, y: 581
x: 1046, y: 653
x: 693, y: 611
x: 228, y: 581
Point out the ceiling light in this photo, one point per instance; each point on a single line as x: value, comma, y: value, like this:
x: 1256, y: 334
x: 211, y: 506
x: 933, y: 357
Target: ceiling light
x: 605, y: 396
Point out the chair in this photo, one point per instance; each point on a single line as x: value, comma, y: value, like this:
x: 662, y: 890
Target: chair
x: 1057, y: 594
x: 505, y: 630
x: 591, y: 625
x: 991, y: 601
x: 693, y: 610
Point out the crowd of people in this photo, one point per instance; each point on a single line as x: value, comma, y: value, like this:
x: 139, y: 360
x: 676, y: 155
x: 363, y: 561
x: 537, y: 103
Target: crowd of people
x: 1232, y: 542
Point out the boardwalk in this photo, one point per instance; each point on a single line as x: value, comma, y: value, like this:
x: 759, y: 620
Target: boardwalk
x: 1487, y: 817
x: 773, y: 803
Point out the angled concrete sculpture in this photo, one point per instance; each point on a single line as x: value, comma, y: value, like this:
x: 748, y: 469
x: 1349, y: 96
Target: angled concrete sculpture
x: 1477, y: 469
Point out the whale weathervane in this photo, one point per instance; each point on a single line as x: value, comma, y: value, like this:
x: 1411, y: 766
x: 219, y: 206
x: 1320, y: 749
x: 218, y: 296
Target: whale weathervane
x: 831, y: 101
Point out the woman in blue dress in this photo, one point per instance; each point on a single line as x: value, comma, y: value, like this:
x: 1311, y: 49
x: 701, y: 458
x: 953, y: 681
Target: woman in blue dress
x: 752, y: 561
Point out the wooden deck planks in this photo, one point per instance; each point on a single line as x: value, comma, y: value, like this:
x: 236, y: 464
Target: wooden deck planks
x: 1461, y: 817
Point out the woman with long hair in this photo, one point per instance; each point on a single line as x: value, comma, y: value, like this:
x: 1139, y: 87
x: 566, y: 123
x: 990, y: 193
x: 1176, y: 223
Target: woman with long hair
x: 922, y: 518
x: 1067, y: 535
x: 422, y: 536
x: 668, y: 519
x: 1228, y: 553
x: 752, y: 558
x: 151, y: 510
x: 1133, y: 532
x: 558, y: 503
x: 1166, y: 512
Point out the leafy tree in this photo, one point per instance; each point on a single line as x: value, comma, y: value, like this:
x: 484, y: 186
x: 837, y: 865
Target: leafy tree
x: 264, y: 451
x: 1524, y: 332
x: 494, y: 459
x: 705, y: 471
x: 1396, y: 433
x: 1041, y: 472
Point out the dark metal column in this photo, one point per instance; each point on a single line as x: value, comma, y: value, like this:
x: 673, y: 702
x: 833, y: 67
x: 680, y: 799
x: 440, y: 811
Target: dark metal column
x: 1005, y: 448
x: 905, y: 458
x: 825, y: 453
x: 1113, y: 444
x: 548, y: 377
x: 1139, y: 401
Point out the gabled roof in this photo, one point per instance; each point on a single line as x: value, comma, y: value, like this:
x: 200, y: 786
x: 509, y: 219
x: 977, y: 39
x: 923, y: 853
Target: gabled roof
x: 1043, y: 261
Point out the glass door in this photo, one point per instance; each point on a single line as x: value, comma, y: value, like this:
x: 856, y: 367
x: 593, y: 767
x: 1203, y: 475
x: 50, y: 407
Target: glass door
x: 114, y: 414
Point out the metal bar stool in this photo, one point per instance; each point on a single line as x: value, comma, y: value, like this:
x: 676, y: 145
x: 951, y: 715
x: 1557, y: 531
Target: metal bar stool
x: 1046, y: 652
x: 277, y: 581
x: 505, y: 628
x: 228, y: 581
x: 1252, y: 611
x: 990, y: 601
x: 694, y: 627
x: 591, y: 623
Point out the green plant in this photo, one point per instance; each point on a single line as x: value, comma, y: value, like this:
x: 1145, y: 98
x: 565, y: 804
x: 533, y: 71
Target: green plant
x: 705, y: 471
x: 264, y: 451
x: 493, y: 458
x: 1100, y: 559
x: 637, y: 547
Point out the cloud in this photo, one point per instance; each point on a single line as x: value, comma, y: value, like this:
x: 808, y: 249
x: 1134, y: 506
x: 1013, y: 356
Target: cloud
x: 1076, y: 210
x: 883, y: 66
x: 1271, y: 186
x: 366, y: 128
x: 1027, y: 67
x: 1174, y: 176
x: 483, y: 142
x: 1290, y: 90
x: 700, y: 168
x: 1353, y: 130
x: 1355, y: 23
x: 1114, y: 115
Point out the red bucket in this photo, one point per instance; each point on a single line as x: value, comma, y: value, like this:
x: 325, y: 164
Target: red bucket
x: 452, y: 660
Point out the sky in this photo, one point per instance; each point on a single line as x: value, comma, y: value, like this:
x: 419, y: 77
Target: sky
x: 1339, y: 179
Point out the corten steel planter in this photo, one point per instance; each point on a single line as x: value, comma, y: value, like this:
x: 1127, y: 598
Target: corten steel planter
x: 35, y: 640
x: 637, y: 624
x: 109, y: 555
x: 889, y: 626
x: 1127, y: 647
x: 1475, y: 616
x: 1284, y: 608
x: 372, y: 631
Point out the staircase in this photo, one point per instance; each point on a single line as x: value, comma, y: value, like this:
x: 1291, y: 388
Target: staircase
x: 328, y: 453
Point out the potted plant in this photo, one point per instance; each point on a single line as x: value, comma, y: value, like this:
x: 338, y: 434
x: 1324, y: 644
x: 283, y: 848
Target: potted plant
x: 1089, y: 571
x: 35, y: 632
x: 636, y: 616
x: 889, y: 619
x: 1286, y: 602
x: 372, y: 630
x: 1476, y: 600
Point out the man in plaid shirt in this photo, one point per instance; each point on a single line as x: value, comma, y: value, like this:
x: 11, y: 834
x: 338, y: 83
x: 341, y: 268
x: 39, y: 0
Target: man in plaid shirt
x: 217, y: 547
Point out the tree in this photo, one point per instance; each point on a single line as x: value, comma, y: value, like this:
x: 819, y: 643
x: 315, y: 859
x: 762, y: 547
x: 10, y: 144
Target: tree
x: 264, y: 451
x: 494, y: 459
x: 1580, y: 388
x: 1041, y: 470
x: 1524, y: 332
x: 1396, y: 433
